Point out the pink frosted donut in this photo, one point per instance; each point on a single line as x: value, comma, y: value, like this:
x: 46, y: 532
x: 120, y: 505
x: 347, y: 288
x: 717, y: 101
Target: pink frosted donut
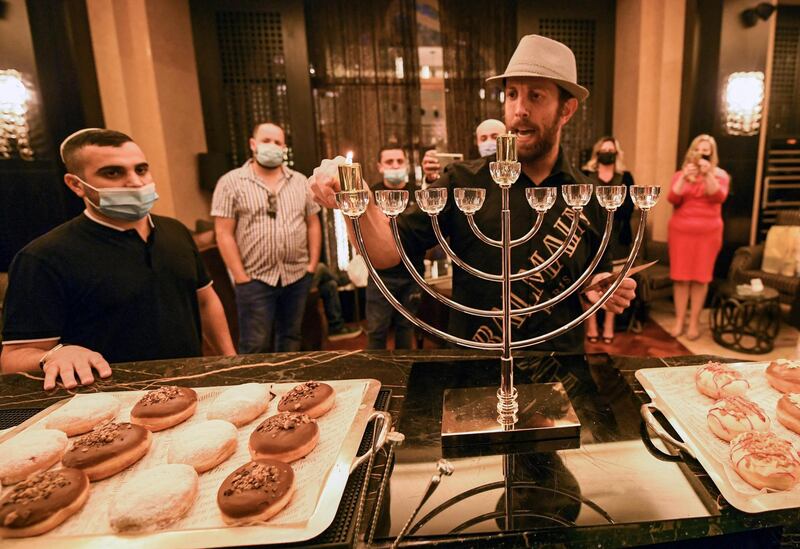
x: 765, y: 460
x: 733, y: 416
x: 717, y: 381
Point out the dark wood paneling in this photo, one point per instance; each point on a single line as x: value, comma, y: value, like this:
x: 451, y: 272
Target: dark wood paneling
x: 301, y: 106
x: 33, y: 200
x: 33, y: 197
x: 699, y: 74
x: 602, y: 14
x: 784, y: 104
x: 65, y: 63
x: 210, y: 74
x: 741, y: 49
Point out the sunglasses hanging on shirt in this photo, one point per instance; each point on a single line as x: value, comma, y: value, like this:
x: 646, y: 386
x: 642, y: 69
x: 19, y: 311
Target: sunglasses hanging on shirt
x: 272, y: 205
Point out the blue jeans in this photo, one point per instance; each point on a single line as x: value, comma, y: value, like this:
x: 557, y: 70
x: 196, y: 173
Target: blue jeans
x: 259, y: 305
x: 381, y: 314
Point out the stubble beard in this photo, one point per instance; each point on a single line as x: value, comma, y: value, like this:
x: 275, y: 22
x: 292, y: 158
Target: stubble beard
x: 547, y: 137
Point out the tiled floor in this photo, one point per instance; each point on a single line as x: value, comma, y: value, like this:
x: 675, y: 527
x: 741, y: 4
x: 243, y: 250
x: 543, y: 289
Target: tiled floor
x: 652, y: 341
x: 663, y: 314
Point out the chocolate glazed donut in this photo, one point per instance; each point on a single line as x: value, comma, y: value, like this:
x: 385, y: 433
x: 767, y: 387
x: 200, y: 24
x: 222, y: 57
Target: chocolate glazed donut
x: 164, y: 408
x: 285, y: 437
x: 255, y: 492
x: 108, y: 449
x: 42, y: 502
x: 311, y: 398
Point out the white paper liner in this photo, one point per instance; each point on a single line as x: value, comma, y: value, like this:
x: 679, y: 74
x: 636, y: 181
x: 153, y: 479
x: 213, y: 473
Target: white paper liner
x: 310, y: 472
x: 676, y: 388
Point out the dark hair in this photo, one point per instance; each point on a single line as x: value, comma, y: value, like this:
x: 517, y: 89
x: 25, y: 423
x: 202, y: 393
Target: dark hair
x: 564, y: 95
x: 390, y: 146
x: 84, y: 138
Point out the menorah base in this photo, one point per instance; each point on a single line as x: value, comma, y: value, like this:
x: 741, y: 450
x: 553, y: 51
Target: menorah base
x: 469, y: 416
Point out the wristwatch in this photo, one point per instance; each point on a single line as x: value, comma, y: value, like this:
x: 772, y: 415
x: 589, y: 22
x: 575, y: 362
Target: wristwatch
x: 43, y: 360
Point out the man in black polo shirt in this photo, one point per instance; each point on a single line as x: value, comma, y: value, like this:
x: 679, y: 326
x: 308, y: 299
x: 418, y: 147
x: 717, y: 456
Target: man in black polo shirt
x: 115, y: 284
x: 541, y: 95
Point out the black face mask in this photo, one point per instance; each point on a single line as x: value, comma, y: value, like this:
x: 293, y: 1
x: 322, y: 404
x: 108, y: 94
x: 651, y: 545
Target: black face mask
x: 706, y: 157
x: 607, y: 158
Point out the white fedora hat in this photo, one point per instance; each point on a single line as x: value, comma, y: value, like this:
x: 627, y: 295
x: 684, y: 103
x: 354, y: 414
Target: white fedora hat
x: 537, y: 56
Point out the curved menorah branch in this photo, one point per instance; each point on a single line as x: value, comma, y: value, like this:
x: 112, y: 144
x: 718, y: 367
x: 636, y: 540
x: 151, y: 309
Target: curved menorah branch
x: 581, y: 279
x: 554, y: 257
x: 457, y: 260
x: 527, y: 236
x: 479, y: 233
x: 427, y: 287
x: 496, y: 243
x: 545, y: 304
x: 405, y: 312
x: 600, y: 302
x: 516, y: 276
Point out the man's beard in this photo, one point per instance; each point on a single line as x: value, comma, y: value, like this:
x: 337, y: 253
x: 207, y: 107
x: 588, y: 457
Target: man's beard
x: 546, y: 137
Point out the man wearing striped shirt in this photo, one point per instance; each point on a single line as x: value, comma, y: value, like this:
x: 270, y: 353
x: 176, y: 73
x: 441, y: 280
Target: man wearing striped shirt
x: 269, y: 235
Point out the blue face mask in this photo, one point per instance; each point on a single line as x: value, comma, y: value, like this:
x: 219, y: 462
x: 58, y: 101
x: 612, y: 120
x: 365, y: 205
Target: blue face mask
x: 269, y: 155
x: 124, y: 203
x: 487, y: 148
x: 395, y: 176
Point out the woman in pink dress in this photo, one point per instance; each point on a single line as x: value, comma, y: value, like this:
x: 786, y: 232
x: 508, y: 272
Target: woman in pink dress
x: 697, y: 192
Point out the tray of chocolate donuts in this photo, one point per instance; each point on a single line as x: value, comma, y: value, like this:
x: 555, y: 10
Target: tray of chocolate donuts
x: 741, y: 421
x: 256, y: 463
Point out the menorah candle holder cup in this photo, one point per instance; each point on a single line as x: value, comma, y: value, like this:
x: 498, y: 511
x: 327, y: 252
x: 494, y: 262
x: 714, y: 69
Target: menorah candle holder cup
x: 353, y: 199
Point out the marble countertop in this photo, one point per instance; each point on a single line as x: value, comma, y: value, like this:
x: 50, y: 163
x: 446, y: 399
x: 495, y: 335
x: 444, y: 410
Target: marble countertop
x: 608, y: 492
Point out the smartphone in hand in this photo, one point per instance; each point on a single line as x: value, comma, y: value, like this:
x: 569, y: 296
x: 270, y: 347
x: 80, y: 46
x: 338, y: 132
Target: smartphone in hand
x: 448, y: 158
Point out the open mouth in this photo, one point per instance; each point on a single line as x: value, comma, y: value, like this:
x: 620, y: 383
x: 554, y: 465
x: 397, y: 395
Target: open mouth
x: 524, y: 132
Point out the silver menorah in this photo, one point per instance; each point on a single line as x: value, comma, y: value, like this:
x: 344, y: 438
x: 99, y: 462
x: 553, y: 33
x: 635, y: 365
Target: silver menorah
x: 484, y: 414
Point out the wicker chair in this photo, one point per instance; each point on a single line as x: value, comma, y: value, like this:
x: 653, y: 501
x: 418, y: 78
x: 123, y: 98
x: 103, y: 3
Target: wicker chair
x: 746, y: 264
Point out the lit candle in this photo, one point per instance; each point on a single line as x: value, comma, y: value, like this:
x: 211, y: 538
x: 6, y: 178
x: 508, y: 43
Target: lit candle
x: 348, y: 158
x: 350, y: 176
x: 507, y: 147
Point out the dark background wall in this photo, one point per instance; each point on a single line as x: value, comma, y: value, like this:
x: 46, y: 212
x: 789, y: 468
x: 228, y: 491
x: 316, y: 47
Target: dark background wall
x: 587, y: 27
x: 48, y: 41
x: 717, y: 44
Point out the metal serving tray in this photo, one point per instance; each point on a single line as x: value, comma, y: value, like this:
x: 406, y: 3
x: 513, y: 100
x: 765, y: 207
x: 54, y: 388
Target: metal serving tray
x: 323, y: 514
x: 674, y: 394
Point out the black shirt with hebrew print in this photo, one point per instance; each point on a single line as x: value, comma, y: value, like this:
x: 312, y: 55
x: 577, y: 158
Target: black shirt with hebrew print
x: 417, y: 234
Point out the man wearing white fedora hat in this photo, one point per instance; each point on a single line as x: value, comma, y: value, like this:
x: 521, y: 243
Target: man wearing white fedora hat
x: 541, y: 95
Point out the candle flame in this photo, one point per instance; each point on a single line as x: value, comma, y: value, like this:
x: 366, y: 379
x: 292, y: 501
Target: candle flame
x: 349, y: 157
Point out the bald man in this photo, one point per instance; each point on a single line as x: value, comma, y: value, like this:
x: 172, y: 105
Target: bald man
x: 270, y: 237
x: 485, y: 138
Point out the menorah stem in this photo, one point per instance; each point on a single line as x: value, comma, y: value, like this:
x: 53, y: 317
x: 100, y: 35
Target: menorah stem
x: 506, y: 396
